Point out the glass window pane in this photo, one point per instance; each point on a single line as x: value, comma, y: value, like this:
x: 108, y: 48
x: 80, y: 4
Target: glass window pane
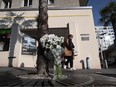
x: 25, y: 2
x: 4, y: 39
x: 30, y: 2
x: 50, y: 1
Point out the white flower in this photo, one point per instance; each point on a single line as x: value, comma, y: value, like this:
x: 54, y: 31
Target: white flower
x: 51, y: 39
x: 53, y: 43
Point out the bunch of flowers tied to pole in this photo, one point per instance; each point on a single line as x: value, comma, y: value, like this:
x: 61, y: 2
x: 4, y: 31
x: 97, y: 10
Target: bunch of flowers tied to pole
x: 54, y: 44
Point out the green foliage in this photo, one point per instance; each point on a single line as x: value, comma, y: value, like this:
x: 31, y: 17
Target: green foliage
x: 5, y: 31
x: 108, y: 14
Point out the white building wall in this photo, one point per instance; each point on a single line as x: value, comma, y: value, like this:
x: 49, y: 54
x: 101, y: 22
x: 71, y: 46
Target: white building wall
x: 65, y: 3
x: 4, y: 58
x: 16, y: 3
x: 80, y: 21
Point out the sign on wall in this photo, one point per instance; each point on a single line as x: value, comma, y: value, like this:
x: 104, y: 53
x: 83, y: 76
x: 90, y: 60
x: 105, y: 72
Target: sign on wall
x: 28, y: 45
x: 84, y: 37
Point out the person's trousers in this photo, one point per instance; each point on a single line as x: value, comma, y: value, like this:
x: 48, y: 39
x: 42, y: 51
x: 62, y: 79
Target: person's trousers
x: 63, y: 63
x: 69, y: 60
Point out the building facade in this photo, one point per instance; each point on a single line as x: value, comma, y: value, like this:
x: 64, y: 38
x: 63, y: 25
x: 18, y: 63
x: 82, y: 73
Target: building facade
x: 35, y: 3
x: 18, y: 25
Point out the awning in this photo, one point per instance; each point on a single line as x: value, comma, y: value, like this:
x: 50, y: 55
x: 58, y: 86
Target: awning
x: 31, y: 32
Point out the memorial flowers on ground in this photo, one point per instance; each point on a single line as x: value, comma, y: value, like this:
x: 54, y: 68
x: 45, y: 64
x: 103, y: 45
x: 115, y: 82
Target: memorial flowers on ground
x: 54, y: 44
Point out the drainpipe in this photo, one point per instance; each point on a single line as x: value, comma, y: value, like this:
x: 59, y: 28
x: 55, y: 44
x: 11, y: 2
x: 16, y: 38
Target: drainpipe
x: 83, y: 65
x: 87, y: 63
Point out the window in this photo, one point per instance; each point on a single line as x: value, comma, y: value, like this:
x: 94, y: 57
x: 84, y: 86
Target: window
x: 27, y: 2
x: 6, y: 4
x: 4, y: 39
x: 50, y: 1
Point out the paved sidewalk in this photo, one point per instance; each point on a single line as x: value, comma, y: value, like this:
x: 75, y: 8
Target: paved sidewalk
x: 80, y: 77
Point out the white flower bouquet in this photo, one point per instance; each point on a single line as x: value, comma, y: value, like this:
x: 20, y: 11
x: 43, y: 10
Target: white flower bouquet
x: 51, y: 41
x: 54, y: 44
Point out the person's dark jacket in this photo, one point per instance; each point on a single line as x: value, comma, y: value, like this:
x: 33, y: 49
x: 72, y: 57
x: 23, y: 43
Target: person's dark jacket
x: 70, y: 44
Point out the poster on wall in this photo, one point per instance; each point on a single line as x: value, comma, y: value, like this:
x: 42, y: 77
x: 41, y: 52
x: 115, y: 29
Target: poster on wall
x: 28, y: 45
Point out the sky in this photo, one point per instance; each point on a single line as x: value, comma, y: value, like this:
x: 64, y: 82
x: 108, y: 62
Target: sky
x: 96, y: 6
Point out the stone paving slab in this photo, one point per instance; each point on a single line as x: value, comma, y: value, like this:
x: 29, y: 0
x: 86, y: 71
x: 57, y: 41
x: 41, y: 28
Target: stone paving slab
x: 101, y: 80
x: 77, y: 78
x: 9, y: 78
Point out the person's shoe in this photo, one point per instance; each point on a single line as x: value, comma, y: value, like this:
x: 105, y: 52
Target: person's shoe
x: 67, y: 68
x: 71, y: 69
x: 64, y: 67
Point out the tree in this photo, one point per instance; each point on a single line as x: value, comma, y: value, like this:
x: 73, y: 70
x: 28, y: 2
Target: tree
x: 108, y: 16
x: 42, y: 21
